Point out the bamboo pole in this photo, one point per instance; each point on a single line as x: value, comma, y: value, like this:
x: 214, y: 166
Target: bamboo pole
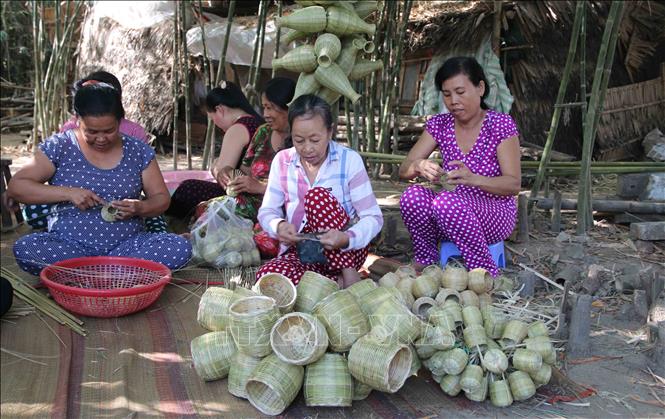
x: 255, y: 54
x: 278, y: 36
x: 584, y: 193
x: 547, y: 149
x: 36, y: 78
x: 496, y: 28
x: 259, y: 57
x: 206, y: 59
x: 184, y: 71
x: 356, y: 121
x: 347, y: 113
x: 176, y: 83
x: 209, y: 146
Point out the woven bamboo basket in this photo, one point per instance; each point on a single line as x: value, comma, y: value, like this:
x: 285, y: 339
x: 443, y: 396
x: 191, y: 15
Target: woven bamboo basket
x: 360, y: 390
x: 300, y: 59
x: 480, y: 281
x: 455, y: 277
x: 242, y: 367
x: 424, y: 349
x: 425, y: 286
x: 329, y: 95
x: 405, y: 285
x: 471, y: 315
x: 437, y: 378
x: 345, y: 322
x: 273, y: 385
x: 213, y: 313
x: 550, y: 358
x: 360, y: 288
x: 495, y: 361
x: 455, y: 310
x: 396, y: 322
x: 306, y: 84
x: 416, y: 364
x: 406, y: 271
x: 298, y: 338
x: 407, y: 299
x: 441, y: 318
x: 484, y: 300
x: 491, y: 344
x: 471, y: 378
x: 527, y: 361
x: 500, y: 394
x: 438, y: 337
x: 328, y: 382
x: 334, y: 78
x: 293, y: 35
x: 422, y: 306
x: 474, y: 336
x: 309, y: 20
x: 212, y: 354
x: 445, y: 294
x: 389, y: 280
x: 480, y: 394
x: 521, y: 385
x: 365, y: 8
x: 450, y: 385
x: 454, y: 361
x: 514, y: 332
x: 382, y: 366
x: 539, y: 344
x: 311, y: 289
x: 373, y: 299
x: 469, y: 298
x: 280, y: 289
x: 542, y: 376
x: 327, y: 47
x: 494, y: 323
x: 347, y: 57
x: 252, y: 318
x: 344, y: 22
x: 537, y: 328
x: 434, y: 271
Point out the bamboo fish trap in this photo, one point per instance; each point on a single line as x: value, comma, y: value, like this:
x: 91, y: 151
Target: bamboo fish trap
x: 361, y: 288
x: 212, y: 354
x: 521, y: 385
x: 252, y: 319
x: 328, y: 382
x: 382, y: 366
x: 450, y: 385
x: 527, y: 361
x: 274, y: 385
x: 242, y: 367
x: 360, y: 390
x: 213, y: 313
x: 311, y: 289
x: 299, y: 338
x: 373, y: 299
x: 394, y: 322
x: 500, y: 394
x: 343, y: 319
x: 479, y: 394
x: 280, y: 289
x: 441, y: 318
x: 445, y: 294
x: 422, y: 306
x: 455, y: 277
x: 425, y: 286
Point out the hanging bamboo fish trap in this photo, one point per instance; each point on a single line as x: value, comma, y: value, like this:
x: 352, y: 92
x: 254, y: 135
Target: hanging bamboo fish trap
x: 382, y: 366
x: 425, y: 286
x: 471, y: 378
x: 279, y: 288
x: 455, y: 277
x: 360, y: 288
x: 441, y: 318
x: 469, y: 298
x: 242, y: 367
x: 212, y: 354
x: 360, y: 390
x: 450, y: 385
x: 521, y: 385
x: 471, y: 315
x: 252, y: 319
x: 542, y: 376
x: 480, y: 394
x: 273, y: 385
x: 537, y: 328
x: 213, y: 313
x: 328, y: 382
x: 514, y: 332
x: 422, y: 306
x: 474, y: 336
x: 373, y: 299
x: 500, y: 394
x: 343, y: 319
x: 311, y: 289
x: 446, y: 294
x: 396, y: 323
x: 495, y: 361
x: 298, y: 338
x: 527, y: 361
x: 480, y: 281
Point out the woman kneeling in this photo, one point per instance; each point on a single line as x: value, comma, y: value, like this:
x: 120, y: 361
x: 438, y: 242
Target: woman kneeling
x: 319, y: 186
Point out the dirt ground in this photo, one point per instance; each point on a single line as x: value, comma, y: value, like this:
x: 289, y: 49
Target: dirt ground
x: 618, y: 366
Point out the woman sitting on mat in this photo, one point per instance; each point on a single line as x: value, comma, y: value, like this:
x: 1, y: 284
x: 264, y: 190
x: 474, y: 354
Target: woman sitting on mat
x: 321, y: 187
x: 86, y: 169
x: 481, y: 161
x: 246, y: 146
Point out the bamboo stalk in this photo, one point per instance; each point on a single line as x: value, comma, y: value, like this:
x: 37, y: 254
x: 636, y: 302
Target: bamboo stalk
x: 279, y: 34
x: 584, y: 193
x: 356, y: 121
x: 347, y: 113
x: 36, y: 79
x: 175, y: 80
x: 547, y: 149
x: 255, y: 54
x: 184, y: 68
x: 259, y: 56
x: 206, y: 59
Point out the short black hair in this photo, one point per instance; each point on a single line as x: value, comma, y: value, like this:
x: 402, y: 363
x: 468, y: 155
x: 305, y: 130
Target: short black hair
x: 98, y: 100
x: 463, y: 65
x: 280, y: 91
x: 310, y: 106
x: 100, y: 76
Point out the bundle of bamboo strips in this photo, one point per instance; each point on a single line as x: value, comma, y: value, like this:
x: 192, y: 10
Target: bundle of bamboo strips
x: 34, y: 298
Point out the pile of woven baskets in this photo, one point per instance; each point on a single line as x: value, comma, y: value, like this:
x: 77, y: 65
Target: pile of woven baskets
x: 337, y: 35
x: 339, y: 345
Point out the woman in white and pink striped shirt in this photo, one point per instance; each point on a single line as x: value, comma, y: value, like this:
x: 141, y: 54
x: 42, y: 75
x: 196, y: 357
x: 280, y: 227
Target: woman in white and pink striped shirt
x: 319, y: 186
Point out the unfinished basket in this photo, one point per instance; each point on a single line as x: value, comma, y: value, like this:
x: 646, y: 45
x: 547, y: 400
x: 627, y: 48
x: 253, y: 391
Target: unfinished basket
x: 440, y: 338
x: 279, y: 288
x: 454, y: 361
x: 405, y: 285
x: 390, y: 279
x: 434, y: 271
x: 514, y: 332
x: 242, y: 367
x: 450, y: 385
x: 213, y: 313
x: 471, y: 315
x: 455, y: 277
x: 212, y: 354
x: 469, y: 298
x: 252, y: 318
x: 345, y: 322
x: 480, y: 281
x: 373, y: 299
x: 425, y: 286
x: 474, y: 336
x: 395, y: 323
x: 441, y: 318
x: 539, y: 344
x: 299, y: 338
x: 422, y: 306
x: 311, y: 289
x: 424, y: 349
x: 406, y: 271
x: 455, y: 311
x: 382, y: 366
x: 484, y: 300
x: 273, y: 385
x: 360, y: 288
x: 521, y: 385
x: 328, y: 382
x: 445, y: 294
x: 500, y: 394
x: 527, y: 361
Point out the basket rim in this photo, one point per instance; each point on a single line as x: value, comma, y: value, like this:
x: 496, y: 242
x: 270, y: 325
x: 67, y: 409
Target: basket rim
x: 286, y: 279
x: 312, y: 321
x: 118, y: 292
x: 236, y: 314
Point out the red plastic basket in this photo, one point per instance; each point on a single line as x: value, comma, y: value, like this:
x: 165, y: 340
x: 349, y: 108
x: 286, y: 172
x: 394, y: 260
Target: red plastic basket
x: 105, y: 286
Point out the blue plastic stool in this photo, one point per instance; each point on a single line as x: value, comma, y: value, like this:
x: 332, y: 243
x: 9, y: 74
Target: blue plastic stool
x: 448, y: 250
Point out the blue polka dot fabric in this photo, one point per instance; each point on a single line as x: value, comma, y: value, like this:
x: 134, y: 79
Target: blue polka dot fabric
x: 73, y: 233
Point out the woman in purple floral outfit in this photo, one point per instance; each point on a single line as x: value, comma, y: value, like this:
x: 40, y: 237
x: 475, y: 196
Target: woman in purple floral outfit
x: 481, y: 161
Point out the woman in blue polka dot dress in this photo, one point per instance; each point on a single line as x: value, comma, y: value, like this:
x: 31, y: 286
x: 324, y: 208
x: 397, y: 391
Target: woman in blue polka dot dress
x: 87, y: 168
x: 481, y: 162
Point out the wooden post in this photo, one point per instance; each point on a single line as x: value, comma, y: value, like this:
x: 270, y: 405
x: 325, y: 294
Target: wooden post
x: 556, y: 212
x: 556, y: 115
x: 580, y: 327
x: 523, y: 215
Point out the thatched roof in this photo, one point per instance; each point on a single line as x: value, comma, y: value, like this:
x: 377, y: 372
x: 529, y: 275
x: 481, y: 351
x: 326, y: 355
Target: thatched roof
x: 541, y: 32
